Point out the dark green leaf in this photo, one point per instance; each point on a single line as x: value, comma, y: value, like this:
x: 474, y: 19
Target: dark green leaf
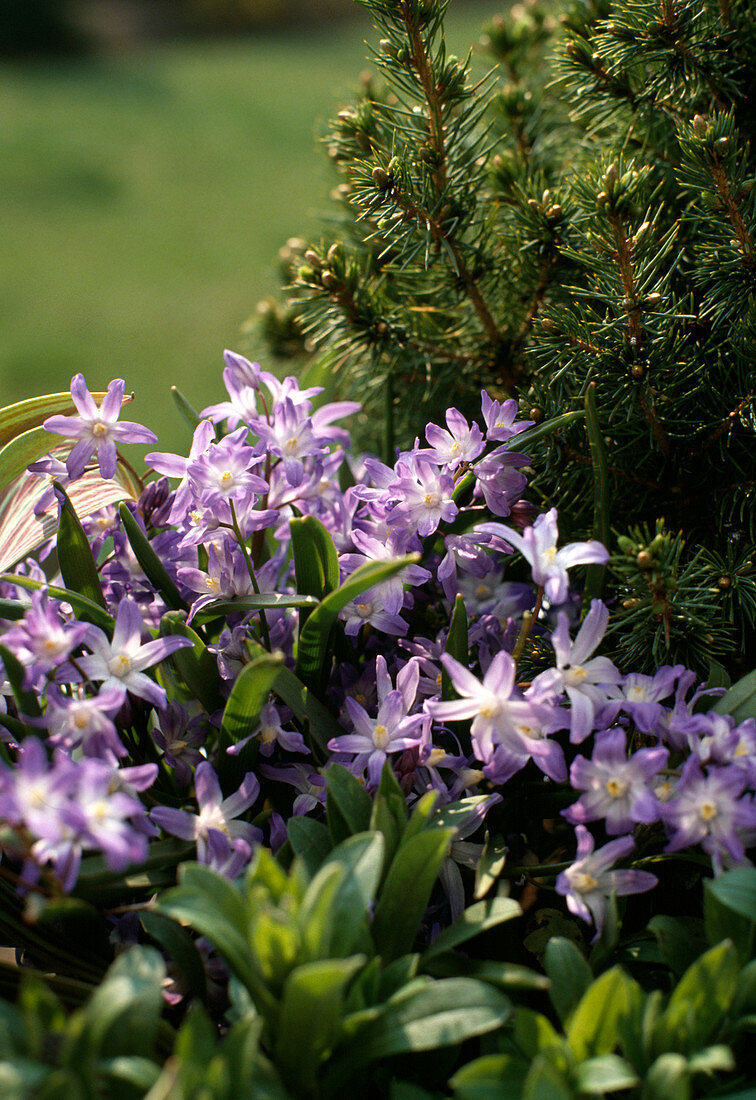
x: 475, y: 919
x: 406, y: 891
x: 87, y: 609
x: 730, y: 910
x: 681, y: 940
x: 310, y: 841
x: 740, y: 700
x: 151, y: 565
x: 456, y: 645
x: 77, y: 566
x: 570, y: 974
x: 180, y: 946
x: 348, y: 805
x: 605, y: 1073
x: 197, y: 667
x: 256, y: 601
x: 26, y: 701
x: 314, y: 641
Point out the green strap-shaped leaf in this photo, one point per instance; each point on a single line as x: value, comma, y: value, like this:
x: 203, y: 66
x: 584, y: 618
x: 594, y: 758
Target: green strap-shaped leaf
x: 27, y: 702
x: 84, y: 607
x: 594, y: 576
x: 314, y: 641
x: 21, y: 452
x: 316, y: 563
x: 77, y: 566
x: 594, y: 1026
x: 730, y: 910
x: 255, y: 601
x: 197, y: 667
x: 152, y: 566
x: 457, y: 645
x: 406, y: 891
x: 319, y: 725
x: 182, y: 949
x: 12, y: 610
x: 189, y: 413
x: 248, y: 696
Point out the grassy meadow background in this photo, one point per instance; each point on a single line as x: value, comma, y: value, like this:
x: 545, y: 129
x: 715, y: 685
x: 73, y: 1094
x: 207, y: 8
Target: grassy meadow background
x: 144, y: 196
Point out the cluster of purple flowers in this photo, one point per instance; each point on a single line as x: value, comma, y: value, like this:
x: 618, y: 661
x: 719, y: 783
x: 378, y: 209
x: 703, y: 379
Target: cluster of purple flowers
x: 638, y: 751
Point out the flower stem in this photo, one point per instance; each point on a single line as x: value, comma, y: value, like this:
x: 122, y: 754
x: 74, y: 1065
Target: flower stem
x: 250, y: 569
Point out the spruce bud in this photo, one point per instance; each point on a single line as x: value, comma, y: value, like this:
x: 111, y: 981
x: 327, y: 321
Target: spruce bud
x: 535, y: 414
x: 328, y: 279
x: 610, y: 177
x: 644, y: 560
x: 653, y: 299
x: 387, y: 47
x: 722, y: 144
x: 381, y: 178
x: 724, y: 582
x: 548, y: 325
x: 333, y: 252
x: 699, y: 126
x: 637, y: 370
x: 313, y: 259
x: 554, y: 212
x: 534, y: 204
x: 601, y: 198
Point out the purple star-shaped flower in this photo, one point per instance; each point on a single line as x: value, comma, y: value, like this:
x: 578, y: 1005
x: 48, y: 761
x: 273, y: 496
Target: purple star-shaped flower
x: 96, y: 428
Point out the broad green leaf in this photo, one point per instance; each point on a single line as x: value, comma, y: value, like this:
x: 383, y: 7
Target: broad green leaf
x: 362, y: 858
x: 501, y: 974
x: 534, y: 1033
x: 740, y: 700
x: 603, y: 1074
x: 456, y: 645
x: 139, y: 1074
x: 406, y: 891
x: 712, y: 1060
x: 85, y: 608
x: 492, y: 1077
x: 314, y: 641
x: 492, y: 861
x: 348, y: 805
x: 77, y: 566
x: 438, y: 1014
x: 25, y: 415
x: 570, y: 975
x: 13, y: 610
x: 310, y: 1019
x: 475, y: 919
x: 310, y: 841
x: 274, y: 945
x: 123, y: 1013
x: 594, y: 1024
x: 547, y: 1080
x: 389, y: 814
x: 151, y: 565
x: 699, y: 1001
x: 681, y: 940
x: 730, y: 910
x: 668, y: 1079
x: 212, y: 906
x: 196, y: 667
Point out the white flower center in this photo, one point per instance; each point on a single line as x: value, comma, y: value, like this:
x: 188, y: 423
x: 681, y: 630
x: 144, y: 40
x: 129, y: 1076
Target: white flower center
x: 380, y: 737
x: 99, y: 429
x: 616, y: 787
x: 583, y: 882
x: 119, y: 666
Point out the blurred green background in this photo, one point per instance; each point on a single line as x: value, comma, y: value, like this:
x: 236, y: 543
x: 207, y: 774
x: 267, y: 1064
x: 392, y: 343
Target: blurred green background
x: 148, y: 178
